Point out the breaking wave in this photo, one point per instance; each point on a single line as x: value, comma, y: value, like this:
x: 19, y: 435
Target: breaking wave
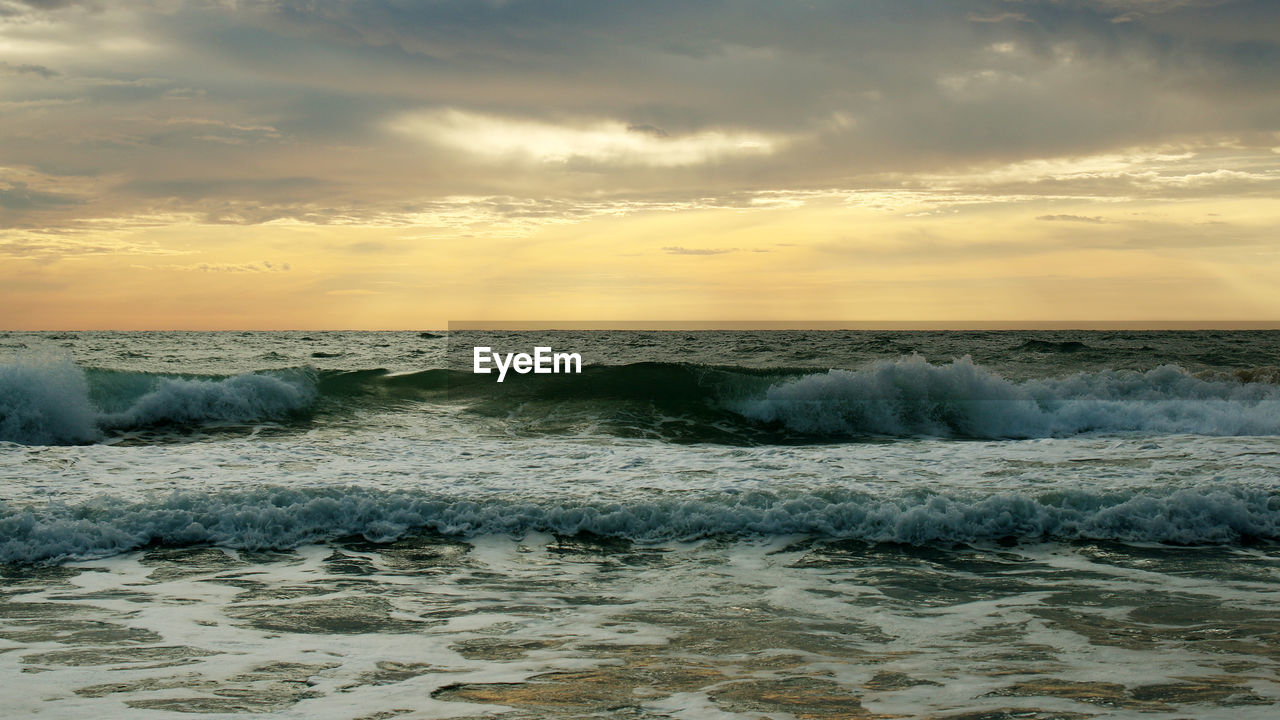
x: 45, y: 402
x: 52, y: 401
x: 279, y: 518
x: 56, y: 402
x: 912, y: 397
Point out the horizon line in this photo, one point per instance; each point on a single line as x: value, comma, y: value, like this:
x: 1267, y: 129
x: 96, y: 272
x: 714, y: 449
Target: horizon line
x: 519, y: 325
x: 677, y: 325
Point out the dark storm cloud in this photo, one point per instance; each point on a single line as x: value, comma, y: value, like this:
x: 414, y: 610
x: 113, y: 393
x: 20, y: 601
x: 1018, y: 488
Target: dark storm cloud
x: 252, y: 98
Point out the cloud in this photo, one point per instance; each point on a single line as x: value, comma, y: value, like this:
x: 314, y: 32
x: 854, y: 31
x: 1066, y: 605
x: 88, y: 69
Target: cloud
x: 1071, y: 218
x: 353, y: 291
x: 49, y: 4
x: 373, y: 247
x: 45, y: 248
x: 609, y: 142
x: 233, y: 132
x: 1214, y: 177
x: 648, y: 130
x: 20, y: 196
x: 258, y: 267
x: 197, y: 188
x: 28, y: 69
x: 380, y: 112
x: 997, y: 17
x: 677, y: 250
x: 38, y: 104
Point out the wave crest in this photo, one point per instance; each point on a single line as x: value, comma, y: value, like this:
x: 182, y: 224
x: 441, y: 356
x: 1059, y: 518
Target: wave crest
x: 51, y: 402
x: 910, y: 396
x: 279, y: 518
x: 47, y: 401
x: 242, y: 398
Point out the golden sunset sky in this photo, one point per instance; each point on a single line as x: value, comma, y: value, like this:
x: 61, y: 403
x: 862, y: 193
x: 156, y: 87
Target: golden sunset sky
x: 396, y: 165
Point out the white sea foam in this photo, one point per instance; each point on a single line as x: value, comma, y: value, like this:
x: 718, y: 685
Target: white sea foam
x: 49, y: 400
x: 53, y: 401
x: 265, y: 518
x: 45, y: 400
x: 242, y: 398
x: 910, y: 396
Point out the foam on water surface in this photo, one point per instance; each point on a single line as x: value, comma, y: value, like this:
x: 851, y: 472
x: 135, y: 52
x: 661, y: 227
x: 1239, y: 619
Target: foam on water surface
x: 547, y: 627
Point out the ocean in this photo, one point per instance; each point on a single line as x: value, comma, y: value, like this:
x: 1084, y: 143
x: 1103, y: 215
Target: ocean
x: 711, y: 524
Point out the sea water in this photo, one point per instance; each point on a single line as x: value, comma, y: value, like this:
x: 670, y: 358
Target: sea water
x: 776, y: 524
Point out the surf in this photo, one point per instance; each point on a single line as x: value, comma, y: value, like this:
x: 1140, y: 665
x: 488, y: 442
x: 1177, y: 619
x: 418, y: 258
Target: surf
x: 51, y: 401
x: 264, y: 518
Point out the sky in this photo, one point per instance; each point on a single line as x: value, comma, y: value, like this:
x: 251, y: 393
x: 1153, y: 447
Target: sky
x: 243, y: 164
